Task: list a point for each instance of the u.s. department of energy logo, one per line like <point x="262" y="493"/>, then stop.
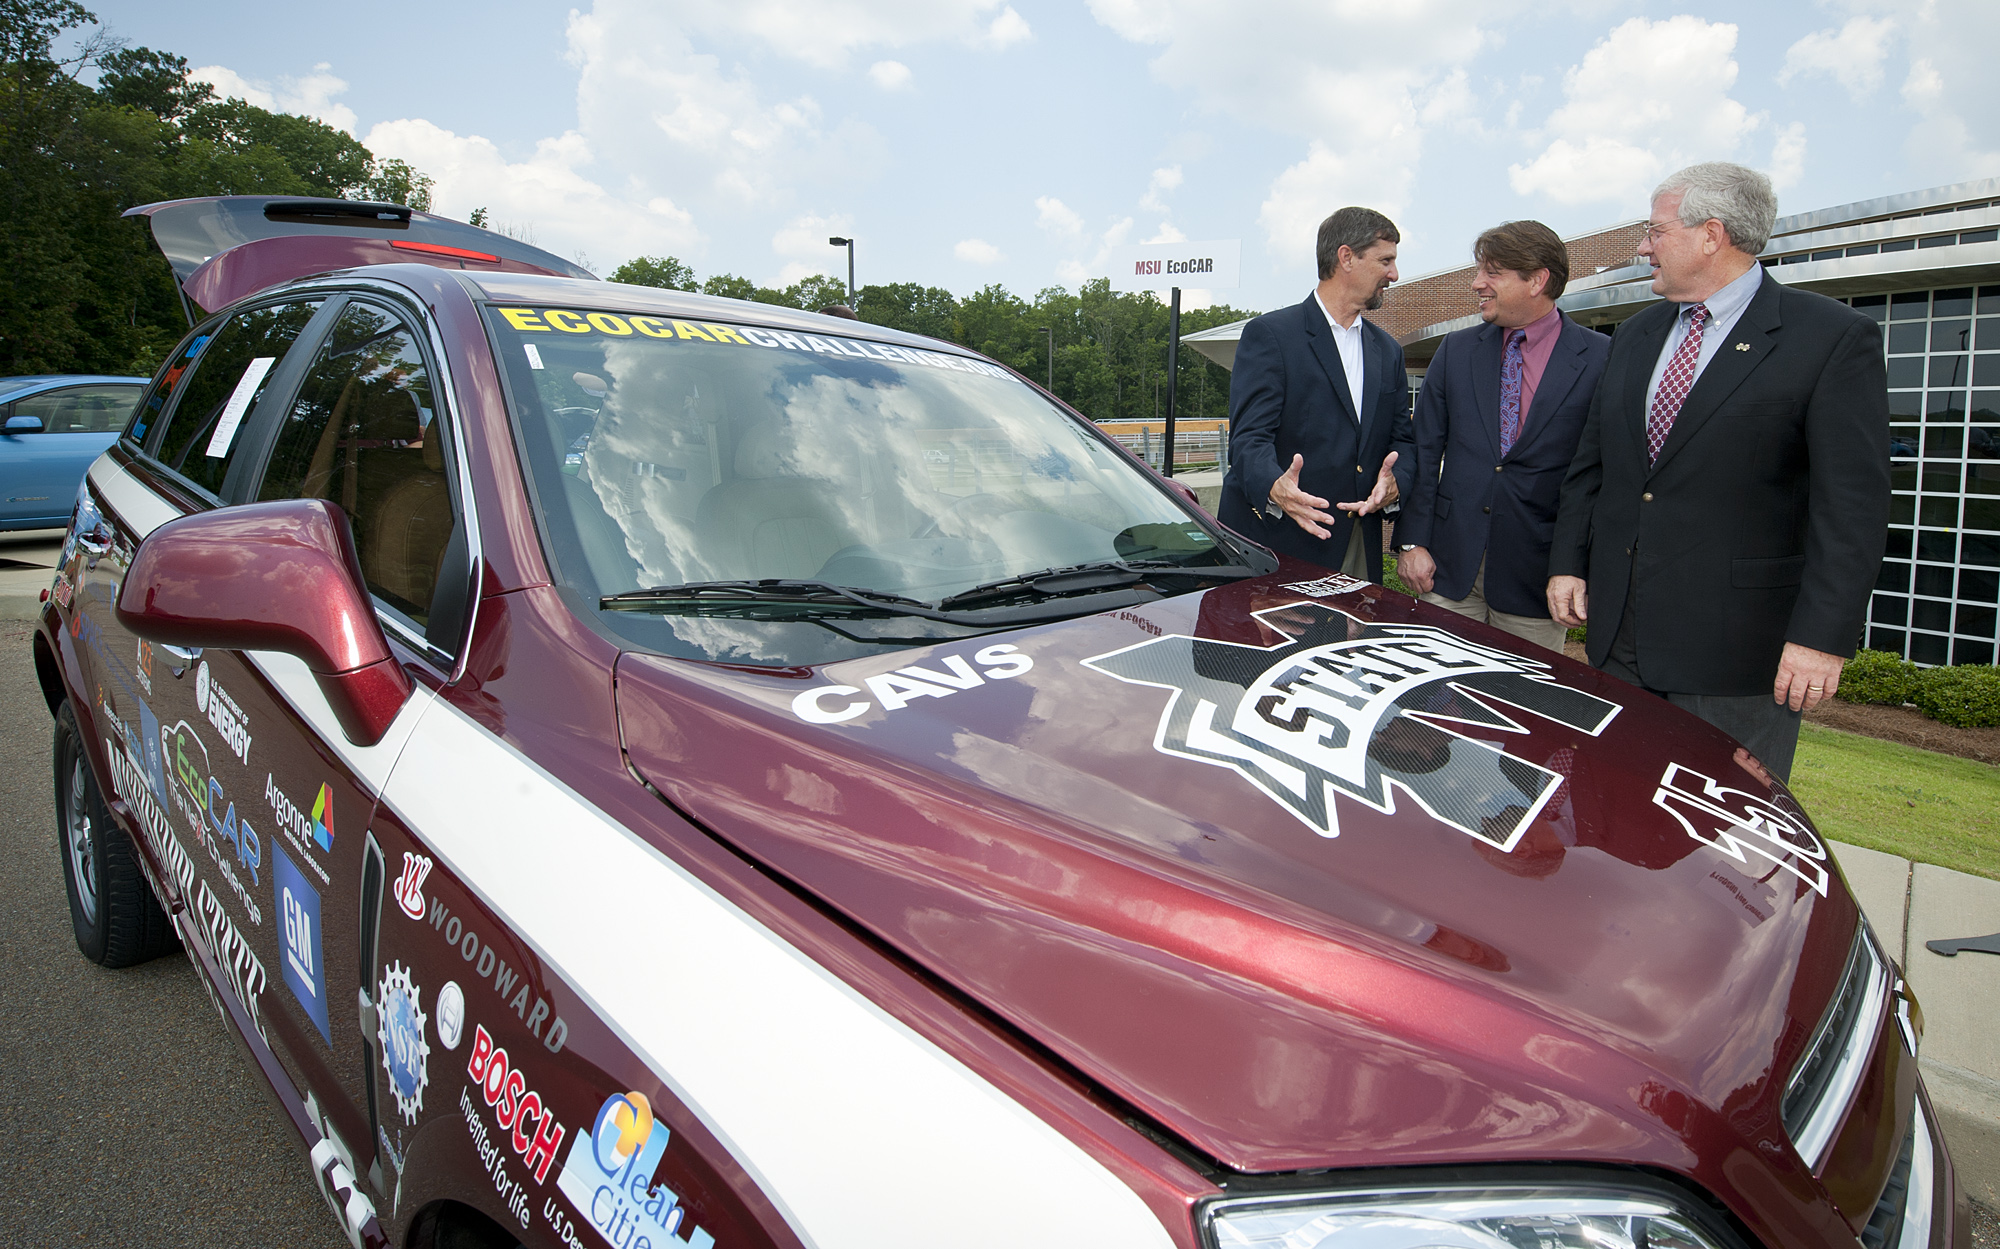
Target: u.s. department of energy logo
<point x="1357" y="708"/>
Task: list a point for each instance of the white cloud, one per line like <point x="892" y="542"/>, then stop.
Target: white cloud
<point x="1852" y="55"/>
<point x="977" y="251"/>
<point x="1163" y="180"/>
<point x="1788" y="156"/>
<point x="1649" y="98"/>
<point x="1167" y="233"/>
<point x="889" y="75"/>
<point x="545" y="194"/>
<point x="1056" y="217"/>
<point x="1007" y="30"/>
<point x="1952" y="86"/>
<point x="1346" y="76"/>
<point x="310" y="96"/>
<point x="826" y="32"/>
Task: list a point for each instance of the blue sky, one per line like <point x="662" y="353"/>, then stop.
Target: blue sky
<point x="962" y="142"/>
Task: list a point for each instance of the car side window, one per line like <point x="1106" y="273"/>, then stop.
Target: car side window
<point x="81" y="409"/>
<point x="227" y="378"/>
<point x="363" y="435"/>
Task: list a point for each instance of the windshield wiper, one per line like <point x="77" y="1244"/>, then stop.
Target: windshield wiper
<point x="769" y="590"/>
<point x="1090" y="579"/>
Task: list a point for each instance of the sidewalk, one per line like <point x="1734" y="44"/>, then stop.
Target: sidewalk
<point x="27" y="566"/>
<point x="1909" y="904"/>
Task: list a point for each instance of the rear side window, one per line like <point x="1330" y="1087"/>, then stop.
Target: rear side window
<point x="81" y="409"/>
<point x="222" y="385"/>
<point x="363" y="435"/>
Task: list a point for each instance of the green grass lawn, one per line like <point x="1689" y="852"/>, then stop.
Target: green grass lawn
<point x="1914" y="803"/>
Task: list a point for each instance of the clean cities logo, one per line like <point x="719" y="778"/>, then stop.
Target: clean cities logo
<point x="609" y="1176"/>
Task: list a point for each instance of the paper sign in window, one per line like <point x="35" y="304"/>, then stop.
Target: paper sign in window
<point x="239" y="402"/>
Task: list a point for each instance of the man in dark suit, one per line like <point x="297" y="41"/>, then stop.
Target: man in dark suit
<point x="1726" y="512"/>
<point x="1317" y="399"/>
<point x="1496" y="426"/>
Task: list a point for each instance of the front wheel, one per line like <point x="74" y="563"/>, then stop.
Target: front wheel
<point x="117" y="919"/>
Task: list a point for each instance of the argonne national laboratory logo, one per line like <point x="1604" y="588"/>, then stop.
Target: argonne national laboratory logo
<point x="1358" y="707"/>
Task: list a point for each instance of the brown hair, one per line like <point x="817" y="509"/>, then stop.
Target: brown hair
<point x="1525" y="246"/>
<point x="1356" y="229"/>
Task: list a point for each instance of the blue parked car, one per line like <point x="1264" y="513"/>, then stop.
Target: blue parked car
<point x="54" y="427"/>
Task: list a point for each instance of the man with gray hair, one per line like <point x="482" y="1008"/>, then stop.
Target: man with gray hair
<point x="1724" y="519"/>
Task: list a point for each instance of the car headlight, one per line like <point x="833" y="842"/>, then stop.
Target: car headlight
<point x="1552" y="1217"/>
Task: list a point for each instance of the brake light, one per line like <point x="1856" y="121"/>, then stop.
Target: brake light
<point x="436" y="249"/>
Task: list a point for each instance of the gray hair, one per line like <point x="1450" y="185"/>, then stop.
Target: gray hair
<point x="1356" y="229"/>
<point x="1740" y="198"/>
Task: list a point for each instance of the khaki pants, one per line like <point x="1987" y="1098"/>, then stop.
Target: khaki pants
<point x="1540" y="630"/>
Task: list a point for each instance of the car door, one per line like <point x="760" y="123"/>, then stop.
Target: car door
<point x="363" y="431"/>
<point x="39" y="471"/>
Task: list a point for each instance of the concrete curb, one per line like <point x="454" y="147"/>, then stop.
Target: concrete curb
<point x="1908" y="904"/>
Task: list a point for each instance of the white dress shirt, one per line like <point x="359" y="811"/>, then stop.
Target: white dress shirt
<point x="1348" y="341"/>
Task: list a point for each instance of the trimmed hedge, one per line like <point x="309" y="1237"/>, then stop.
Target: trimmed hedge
<point x="1879" y="677"/>
<point x="1965" y="697"/>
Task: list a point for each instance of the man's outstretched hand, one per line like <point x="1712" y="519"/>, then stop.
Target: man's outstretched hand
<point x="1308" y="511"/>
<point x="1382" y="495"/>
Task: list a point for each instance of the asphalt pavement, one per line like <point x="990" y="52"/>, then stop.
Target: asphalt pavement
<point x="128" y="1116"/>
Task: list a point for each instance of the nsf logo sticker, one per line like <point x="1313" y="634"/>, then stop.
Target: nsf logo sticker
<point x="400" y="1030"/>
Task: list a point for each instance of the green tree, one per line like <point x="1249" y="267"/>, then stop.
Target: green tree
<point x="319" y="159"/>
<point x="729" y="286"/>
<point x="665" y="272"/>
<point x="910" y="307"/>
<point x="393" y="181"/>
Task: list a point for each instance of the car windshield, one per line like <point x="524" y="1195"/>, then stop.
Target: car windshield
<point x="694" y="470"/>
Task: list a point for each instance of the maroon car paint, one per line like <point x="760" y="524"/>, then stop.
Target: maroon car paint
<point x="1131" y="945"/>
<point x="286" y="573"/>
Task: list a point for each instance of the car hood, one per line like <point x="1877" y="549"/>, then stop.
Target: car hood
<point x="1307" y="874"/>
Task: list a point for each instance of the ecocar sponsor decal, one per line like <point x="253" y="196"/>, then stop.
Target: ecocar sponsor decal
<point x="399" y="1028"/>
<point x="1740" y="824"/>
<point x="817" y="1091"/>
<point x="532" y="1009"/>
<point x="409" y="886"/>
<point x="450" y="1008"/>
<point x="299" y="829"/>
<point x="333" y="1172"/>
<point x="1356" y="708"/>
<point x="298" y="934"/>
<point x="831" y="704"/>
<point x="609" y="1177"/>
<point x="515" y="1105"/>
<point x="615" y="325"/>
<point x="214" y="702"/>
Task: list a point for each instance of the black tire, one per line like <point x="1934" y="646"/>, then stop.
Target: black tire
<point x="117" y="919"/>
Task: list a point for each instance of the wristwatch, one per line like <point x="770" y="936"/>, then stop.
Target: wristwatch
<point x="1408" y="546"/>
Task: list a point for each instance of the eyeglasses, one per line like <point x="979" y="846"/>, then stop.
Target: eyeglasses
<point x="1654" y="229"/>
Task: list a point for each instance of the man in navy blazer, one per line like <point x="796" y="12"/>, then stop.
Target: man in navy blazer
<point x="1496" y="425"/>
<point x="1319" y="409"/>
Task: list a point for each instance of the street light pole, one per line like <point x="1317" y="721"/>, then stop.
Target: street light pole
<point x="849" y="245"/>
<point x="1051" y="332"/>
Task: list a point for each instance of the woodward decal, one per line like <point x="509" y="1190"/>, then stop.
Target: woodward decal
<point x="532" y="1009"/>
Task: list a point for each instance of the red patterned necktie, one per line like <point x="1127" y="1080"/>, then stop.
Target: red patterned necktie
<point x="1675" y="384"/>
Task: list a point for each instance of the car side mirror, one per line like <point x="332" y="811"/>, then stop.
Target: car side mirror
<point x="24" y="424"/>
<point x="280" y="576"/>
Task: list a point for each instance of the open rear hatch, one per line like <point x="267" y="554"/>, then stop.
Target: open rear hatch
<point x="225" y="247"/>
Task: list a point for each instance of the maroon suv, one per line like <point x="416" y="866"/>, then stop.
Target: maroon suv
<point x="651" y="770"/>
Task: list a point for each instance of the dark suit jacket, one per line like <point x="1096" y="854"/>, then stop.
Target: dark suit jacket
<point x="1467" y="510"/>
<point x="1763" y="521"/>
<point x="1288" y="395"/>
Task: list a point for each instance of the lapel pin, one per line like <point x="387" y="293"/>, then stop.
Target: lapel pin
<point x="1743" y="346"/>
